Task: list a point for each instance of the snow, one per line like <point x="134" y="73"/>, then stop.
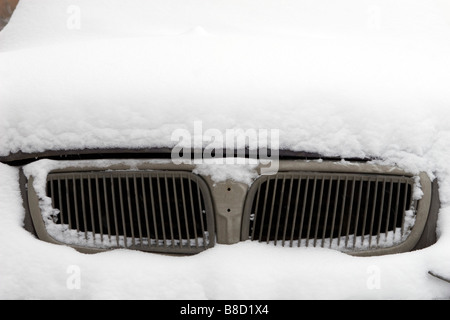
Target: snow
<point x="35" y="269"/>
<point x="350" y="78"/>
<point x="244" y="173"/>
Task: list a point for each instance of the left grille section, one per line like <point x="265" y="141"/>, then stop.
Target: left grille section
<point x="158" y="211"/>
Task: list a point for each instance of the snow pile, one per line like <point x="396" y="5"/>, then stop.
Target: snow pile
<point x="35" y="269"/>
<point x="350" y="78"/>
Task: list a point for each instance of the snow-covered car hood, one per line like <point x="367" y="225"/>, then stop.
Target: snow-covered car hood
<point x="347" y="79"/>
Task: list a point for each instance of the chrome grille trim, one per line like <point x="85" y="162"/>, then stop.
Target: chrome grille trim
<point x="301" y="208"/>
<point x="145" y="210"/>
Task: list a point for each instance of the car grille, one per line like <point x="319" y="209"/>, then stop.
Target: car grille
<point x="157" y="211"/>
<point x="332" y="210"/>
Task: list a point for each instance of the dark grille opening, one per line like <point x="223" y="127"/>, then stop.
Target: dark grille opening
<point x="345" y="211"/>
<point x="148" y="210"/>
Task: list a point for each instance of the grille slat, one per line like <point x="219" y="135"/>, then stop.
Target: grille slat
<point x="303" y="212"/>
<point x="294" y="220"/>
<point x="61" y="214"/>
<point x="145" y="210"/>
<point x="144" y="198"/>
<point x="108" y="222"/>
<point x="255" y="216"/>
<point x="116" y="219"/>
<point x="397" y="205"/>
<point x="349" y="216"/>
<point x="202" y="222"/>
<point x="366" y="210"/>
<point x="99" y="209"/>
<point x="327" y="211"/>
<point x="405" y="208"/>
<point x="138" y="210"/>
<point x="316" y="231"/>
<point x="152" y="201"/>
<point x="277" y="228"/>
<point x="91" y="205"/>
<point x="68" y="206"/>
<point x="374" y="206"/>
<point x="291" y="184"/>
<point x="264" y="211"/>
<point x="83" y="207"/>
<point x="186" y="224"/>
<point x="381" y="206"/>
<point x="177" y="211"/>
<point x="343" y="211"/>
<point x="341" y="222"/>
<point x="194" y="220"/>
<point x="272" y="207"/>
<point x="311" y="213"/>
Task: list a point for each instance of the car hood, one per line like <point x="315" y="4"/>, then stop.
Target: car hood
<point x="361" y="82"/>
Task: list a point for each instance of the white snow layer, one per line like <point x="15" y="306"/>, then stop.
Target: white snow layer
<point x="349" y="78"/>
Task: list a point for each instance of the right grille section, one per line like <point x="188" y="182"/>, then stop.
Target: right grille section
<point x="341" y="211"/>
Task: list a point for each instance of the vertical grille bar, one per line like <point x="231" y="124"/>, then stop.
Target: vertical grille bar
<point x="389" y="208"/>
<point x="161" y="212"/>
<point x="152" y="200"/>
<point x="297" y="197"/>
<point x="99" y="209"/>
<point x="256" y="215"/>
<point x="350" y="212"/>
<point x="342" y="211"/>
<point x="397" y="206"/>
<point x="75" y="198"/>
<point x="288" y="211"/>
<point x="83" y="204"/>
<point x="138" y="210"/>
<point x="169" y="211"/>
<point x="122" y="211"/>
<point x="319" y="211"/>
<point x="327" y="210"/>
<point x="333" y="220"/>
<point x="264" y="211"/>
<point x="91" y="207"/>
<point x="191" y="198"/>
<point x="107" y="214"/>
<point x="177" y="211"/>
<point x="271" y="209"/>
<point x="130" y="210"/>
<point x="358" y="210"/>
<point x="144" y="200"/>
<point x="277" y="228"/>
<point x="61" y="207"/>
<point x="382" y="210"/>
<point x="373" y="213"/>
<point x="302" y="217"/>
<point x="52" y="193"/>
<point x="205" y="241"/>
<point x="116" y="221"/>
<point x="311" y="212"/>
<point x="186" y="221"/>
<point x="366" y="209"/>
<point x="405" y="208"/>
<point x="69" y="219"/>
